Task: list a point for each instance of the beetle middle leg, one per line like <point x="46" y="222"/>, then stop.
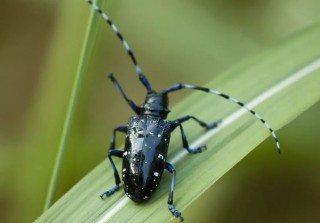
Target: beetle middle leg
<point x="117" y="153"/>
<point x="172" y="209"/>
<point x="185" y="143"/>
<point x="203" y="124"/>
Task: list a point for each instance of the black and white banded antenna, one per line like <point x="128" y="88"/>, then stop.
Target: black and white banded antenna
<point x="208" y="90"/>
<point x="142" y="77"/>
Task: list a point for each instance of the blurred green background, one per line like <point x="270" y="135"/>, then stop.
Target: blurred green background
<point x="174" y="41"/>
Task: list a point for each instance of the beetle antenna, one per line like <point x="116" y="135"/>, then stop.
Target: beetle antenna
<point x="142" y="77"/>
<point x="208" y="90"/>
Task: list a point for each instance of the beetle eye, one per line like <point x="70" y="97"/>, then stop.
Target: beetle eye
<point x="139" y="133"/>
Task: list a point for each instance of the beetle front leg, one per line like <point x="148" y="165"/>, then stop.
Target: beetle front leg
<point x="117" y="153"/>
<point x="134" y="107"/>
<point x="172" y="209"/>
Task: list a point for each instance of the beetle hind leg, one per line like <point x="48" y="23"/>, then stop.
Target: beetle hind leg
<point x="171" y="207"/>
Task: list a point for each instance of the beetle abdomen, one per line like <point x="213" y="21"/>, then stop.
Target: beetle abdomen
<point x="142" y="182"/>
<point x="144" y="156"/>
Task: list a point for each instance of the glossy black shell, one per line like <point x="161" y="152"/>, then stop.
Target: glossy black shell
<point x="144" y="155"/>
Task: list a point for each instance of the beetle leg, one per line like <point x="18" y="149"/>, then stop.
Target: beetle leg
<point x="134" y="107"/>
<point x="203" y="124"/>
<point x="172" y="209"/>
<point x="117" y="153"/>
<point x="120" y="128"/>
<point x="185" y="143"/>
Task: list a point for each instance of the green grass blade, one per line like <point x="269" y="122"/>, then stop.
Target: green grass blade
<point x="88" y="44"/>
<point x="279" y="84"/>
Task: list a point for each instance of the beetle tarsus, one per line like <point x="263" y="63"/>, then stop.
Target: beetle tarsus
<point x="214" y="125"/>
<point x="175" y="212"/>
<point x="197" y="150"/>
<point x="109" y="192"/>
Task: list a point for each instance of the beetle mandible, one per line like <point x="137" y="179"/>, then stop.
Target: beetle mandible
<point x="148" y="135"/>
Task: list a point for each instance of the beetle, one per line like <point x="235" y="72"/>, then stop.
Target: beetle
<point x="148" y="135"/>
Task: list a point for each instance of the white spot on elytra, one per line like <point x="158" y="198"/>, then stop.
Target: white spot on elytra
<point x="125" y="153"/>
<point x="160" y="156"/>
<point x="156" y="174"/>
<point x="124" y="169"/>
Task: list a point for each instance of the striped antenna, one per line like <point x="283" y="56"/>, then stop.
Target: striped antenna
<point x="208" y="90"/>
<point x="142" y="78"/>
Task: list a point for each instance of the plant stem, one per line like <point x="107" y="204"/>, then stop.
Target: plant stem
<point x="87" y="47"/>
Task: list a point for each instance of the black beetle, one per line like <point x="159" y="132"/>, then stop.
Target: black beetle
<point x="148" y="136"/>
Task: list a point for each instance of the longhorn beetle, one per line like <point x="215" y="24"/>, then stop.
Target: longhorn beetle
<point x="148" y="135"/>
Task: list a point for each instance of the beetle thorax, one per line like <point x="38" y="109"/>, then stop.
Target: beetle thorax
<point x="156" y="104"/>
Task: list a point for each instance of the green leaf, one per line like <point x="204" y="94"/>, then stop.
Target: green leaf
<point x="82" y="67"/>
<point x="279" y="84"/>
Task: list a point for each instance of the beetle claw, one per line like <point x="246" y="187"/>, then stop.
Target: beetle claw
<point x="197" y="150"/>
<point x="214" y="124"/>
<point x="109" y="192"/>
<point x="175" y="212"/>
